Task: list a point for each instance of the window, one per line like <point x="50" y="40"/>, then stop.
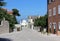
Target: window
<point x="54" y="25"/>
<point x="50" y="12"/>
<point x="50" y="25"/>
<point x="54" y="11"/>
<point x="58" y="9"/>
<point x="53" y="0"/>
<point x="59" y="25"/>
<point x="49" y="1"/>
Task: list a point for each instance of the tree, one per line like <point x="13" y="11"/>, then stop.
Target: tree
<point x="42" y="21"/>
<point x="46" y="17"/>
<point x="2" y="3"/>
<point x="11" y="20"/>
<point x="1" y="0"/>
<point x="8" y="17"/>
<point x="15" y="13"/>
<point x="1" y="12"/>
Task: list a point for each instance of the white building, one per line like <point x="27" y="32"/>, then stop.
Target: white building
<point x="31" y="20"/>
<point x="23" y="24"/>
<point x="30" y="23"/>
<point x="17" y="27"/>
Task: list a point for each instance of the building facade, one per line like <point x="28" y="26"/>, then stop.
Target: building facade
<point x="53" y="16"/>
<point x="23" y="25"/>
<point x="31" y="20"/>
<point x="17" y="28"/>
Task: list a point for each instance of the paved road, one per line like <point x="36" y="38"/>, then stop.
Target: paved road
<point x="27" y="35"/>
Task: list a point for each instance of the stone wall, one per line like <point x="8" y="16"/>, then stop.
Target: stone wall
<point x="4" y="27"/>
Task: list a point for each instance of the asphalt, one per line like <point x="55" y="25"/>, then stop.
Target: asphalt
<point x="28" y="35"/>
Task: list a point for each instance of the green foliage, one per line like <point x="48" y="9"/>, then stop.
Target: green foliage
<point x="2" y="3"/>
<point x="2" y="14"/>
<point x="8" y="17"/>
<point x="11" y="20"/>
<point x="15" y="12"/>
<point x="42" y="21"/>
<point x="1" y="0"/>
<point x="46" y="19"/>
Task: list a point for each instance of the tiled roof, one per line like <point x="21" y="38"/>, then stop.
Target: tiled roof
<point x="9" y="12"/>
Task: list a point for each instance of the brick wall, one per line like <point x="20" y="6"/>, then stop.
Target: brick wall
<point x="54" y="18"/>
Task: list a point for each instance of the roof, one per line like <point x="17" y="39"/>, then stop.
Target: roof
<point x="10" y="12"/>
<point x="17" y="25"/>
<point x="33" y="17"/>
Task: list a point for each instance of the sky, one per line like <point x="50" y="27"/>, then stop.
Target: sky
<point x="27" y="7"/>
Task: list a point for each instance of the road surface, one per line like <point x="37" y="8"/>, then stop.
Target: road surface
<point x="27" y="35"/>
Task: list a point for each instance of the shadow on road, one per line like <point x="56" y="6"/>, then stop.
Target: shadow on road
<point x="5" y="39"/>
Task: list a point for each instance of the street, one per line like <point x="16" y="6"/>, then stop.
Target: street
<point x="28" y="35"/>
